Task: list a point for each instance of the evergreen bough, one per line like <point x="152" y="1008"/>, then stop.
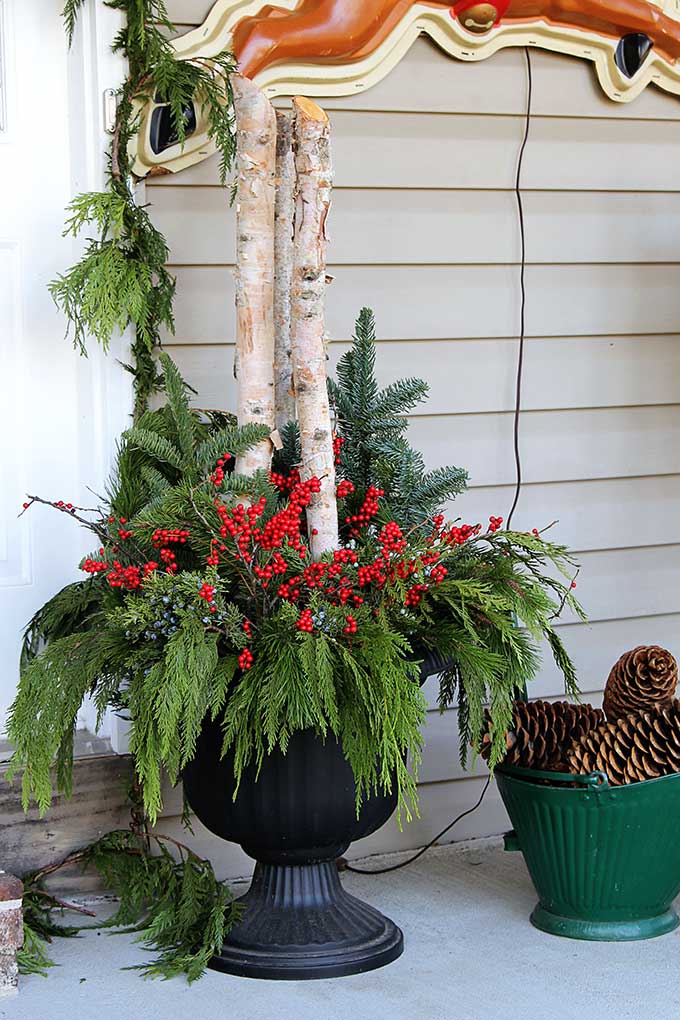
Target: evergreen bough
<point x="171" y="900"/>
<point x="372" y="423"/>
<point x="122" y="278"/>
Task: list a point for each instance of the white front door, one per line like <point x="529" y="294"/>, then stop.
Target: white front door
<point x="55" y="407"/>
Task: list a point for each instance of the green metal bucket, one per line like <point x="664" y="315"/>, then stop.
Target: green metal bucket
<point x="605" y="860"/>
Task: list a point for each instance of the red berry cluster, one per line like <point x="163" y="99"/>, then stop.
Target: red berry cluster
<point x="328" y="578"/>
<point x="163" y="538"/>
<point x="415" y="594"/>
<point x="285" y="483"/>
<point x="338" y="443"/>
<point x="460" y="535"/>
<point x="168" y="536"/>
<point x="285" y="526"/>
<point x="495" y="523"/>
<point x="117" y="575"/>
<point x="213" y="558"/>
<point x="245" y="659"/>
<point x="274" y="568"/>
<point x="305" y="621"/>
<point x="129" y="577"/>
<point x="345" y="488"/>
<point x="351" y="625"/>
<point x="59" y="504"/>
<point x="91" y="566"/>
<point x="367" y="511"/>
<point x="391" y="538"/>
<point x="207" y="592"/>
<point x="217" y="477"/>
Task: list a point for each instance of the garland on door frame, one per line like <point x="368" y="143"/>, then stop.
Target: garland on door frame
<point x="122" y="278"/>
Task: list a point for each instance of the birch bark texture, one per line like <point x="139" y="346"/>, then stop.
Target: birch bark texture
<point x="284" y="217"/>
<point x="255" y="199"/>
<point x="311" y="134"/>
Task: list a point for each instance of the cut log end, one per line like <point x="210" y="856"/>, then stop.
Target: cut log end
<point x="309" y="109"/>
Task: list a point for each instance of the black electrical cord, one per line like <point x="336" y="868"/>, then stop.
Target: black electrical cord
<point x="516" y="443"/>
<point x="523" y="292"/>
<point x="424" y="849"/>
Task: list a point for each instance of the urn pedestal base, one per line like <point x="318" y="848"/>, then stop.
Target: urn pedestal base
<point x="300" y="924"/>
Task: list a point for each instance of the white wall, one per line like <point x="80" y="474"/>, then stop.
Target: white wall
<point x="58" y="413"/>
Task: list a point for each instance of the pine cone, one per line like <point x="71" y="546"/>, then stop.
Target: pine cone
<point x="631" y="749"/>
<point x="642" y="680"/>
<point x="542" y="732"/>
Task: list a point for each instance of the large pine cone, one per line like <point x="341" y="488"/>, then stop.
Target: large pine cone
<point x="631" y="749"/>
<point x="542" y="732"/>
<point x="643" y="679"/>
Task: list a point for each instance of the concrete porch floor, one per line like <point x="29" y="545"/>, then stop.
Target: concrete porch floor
<point x="470" y="954"/>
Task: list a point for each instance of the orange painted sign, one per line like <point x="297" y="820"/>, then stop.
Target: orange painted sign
<point x="324" y="32"/>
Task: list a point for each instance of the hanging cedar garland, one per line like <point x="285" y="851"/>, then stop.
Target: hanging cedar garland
<point x="122" y="279"/>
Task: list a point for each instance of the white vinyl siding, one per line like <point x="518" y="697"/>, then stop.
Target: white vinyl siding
<point x="424" y="230"/>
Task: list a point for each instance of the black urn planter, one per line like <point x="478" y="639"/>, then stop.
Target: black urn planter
<point x="294" y="819"/>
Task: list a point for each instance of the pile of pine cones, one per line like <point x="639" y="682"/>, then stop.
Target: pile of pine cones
<point x="636" y="737"/>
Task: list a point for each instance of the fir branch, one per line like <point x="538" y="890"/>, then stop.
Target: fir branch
<point x="373" y="424"/>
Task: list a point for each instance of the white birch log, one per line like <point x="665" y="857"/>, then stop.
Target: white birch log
<point x="255" y="196"/>
<point x="312" y="201"/>
<point x="283" y="267"/>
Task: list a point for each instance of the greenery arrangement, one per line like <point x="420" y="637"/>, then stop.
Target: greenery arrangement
<point x="201" y="599"/>
<point x="122" y="277"/>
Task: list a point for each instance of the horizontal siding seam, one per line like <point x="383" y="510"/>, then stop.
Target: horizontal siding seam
<point x="626" y="618"/>
<point x="542" y="410"/>
<point x="157" y="184"/>
<point x="173" y="342"/>
<point x="448" y="265"/>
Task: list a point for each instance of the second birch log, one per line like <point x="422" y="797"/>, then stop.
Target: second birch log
<point x="312" y="201"/>
<point x="256" y="169"/>
<point x="283" y="267"/>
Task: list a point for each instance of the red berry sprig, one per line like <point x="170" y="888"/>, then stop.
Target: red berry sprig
<point x="246" y="659"/>
<point x="305" y="621"/>
<point x="338" y="443"/>
<point x="344" y="488"/>
<point x="217" y="476"/>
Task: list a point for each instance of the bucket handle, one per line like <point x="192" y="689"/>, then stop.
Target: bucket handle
<point x="594" y="780"/>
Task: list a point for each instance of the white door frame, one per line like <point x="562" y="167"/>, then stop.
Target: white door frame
<point x="59" y="413"/>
